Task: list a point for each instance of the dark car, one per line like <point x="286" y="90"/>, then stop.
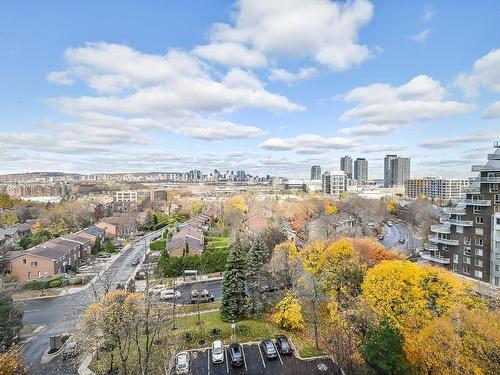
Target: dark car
<point x="283" y="345"/>
<point x="135" y="261"/>
<point x="268" y="349"/>
<point x="235" y="355"/>
<point x="268" y="289"/>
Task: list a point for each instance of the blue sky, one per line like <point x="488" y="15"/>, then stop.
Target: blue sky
<point x="268" y="87"/>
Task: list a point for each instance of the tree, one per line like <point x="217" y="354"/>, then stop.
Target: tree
<point x="383" y="350"/>
<point x="372" y="252"/>
<point x="257" y="256"/>
<point x="11" y="363"/>
<point x="196" y="208"/>
<point x="7" y="218"/>
<point x="235" y="209"/>
<point x="96" y="247"/>
<point x="461" y="342"/>
<point x="233" y="284"/>
<point x="285" y="264"/>
<point x="392" y="206"/>
<point x="11" y="319"/>
<point x="130" y="287"/>
<point x="289" y="313"/>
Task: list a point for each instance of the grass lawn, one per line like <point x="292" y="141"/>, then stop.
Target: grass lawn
<point x="194" y="307"/>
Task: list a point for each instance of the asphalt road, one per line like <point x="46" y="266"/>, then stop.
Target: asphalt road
<point x="213" y="286"/>
<point x="392" y="235"/>
<point x="61" y="314"/>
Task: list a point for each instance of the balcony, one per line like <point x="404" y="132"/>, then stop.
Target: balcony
<point x="478" y="202"/>
<point x="432" y="258"/>
<point x="445" y="241"/>
<point x="490" y="180"/>
<point x="483" y="168"/>
<point x="441" y="228"/>
<point x="430" y="246"/>
<point x="461" y="223"/>
<point x="455" y="210"/>
<point x="493" y="157"/>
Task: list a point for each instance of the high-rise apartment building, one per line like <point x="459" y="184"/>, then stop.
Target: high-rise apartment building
<point x="334" y="182"/>
<point x="444" y="189"/>
<point x="468" y="242"/>
<point x="346" y="166"/>
<point x="315" y="172"/>
<point x="396" y="170"/>
<point x="361" y="170"/>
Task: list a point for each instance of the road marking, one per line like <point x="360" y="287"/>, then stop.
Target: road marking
<point x="244" y="360"/>
<point x="29" y="311"/>
<point x="208" y="361"/>
<point x="277" y="351"/>
<point x="261" y="356"/>
<point x="227" y="362"/>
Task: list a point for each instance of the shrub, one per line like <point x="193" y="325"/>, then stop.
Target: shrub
<point x="188" y="336"/>
<point x="216" y="332"/>
<point x="54" y="283"/>
<point x="158" y="245"/>
<point x="242" y="329"/>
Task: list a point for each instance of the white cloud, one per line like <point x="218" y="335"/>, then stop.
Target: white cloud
<point x="421" y="36"/>
<point x="422" y="98"/>
<point x="485" y="74"/>
<point x="231" y="54"/>
<point x="369" y="129"/>
<point x="383" y="148"/>
<point x="492" y="111"/>
<point x="308" y="144"/>
<point x="322" y="30"/>
<point x="477" y="137"/>
<point x="60" y="78"/>
<point x="289" y="77"/>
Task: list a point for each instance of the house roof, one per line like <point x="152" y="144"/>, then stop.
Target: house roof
<point x="94" y="231"/>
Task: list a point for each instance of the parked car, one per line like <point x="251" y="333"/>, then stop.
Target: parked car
<point x="71" y="350"/>
<point x="157" y="289"/>
<point x="120" y="286"/>
<point x="389" y="223"/>
<point x="182" y="363"/>
<point x="169" y="294"/>
<point x="201" y="295"/>
<point x="236" y="355"/>
<point x="83" y="268"/>
<point x="402" y="240"/>
<point x="268" y="289"/>
<point x="217" y="352"/>
<point x="380" y="237"/>
<point x="283" y="345"/>
<point x="268" y="349"/>
<point x="140" y="275"/>
<point x="135" y="262"/>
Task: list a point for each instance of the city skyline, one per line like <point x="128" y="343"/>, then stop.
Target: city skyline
<point x="369" y="79"/>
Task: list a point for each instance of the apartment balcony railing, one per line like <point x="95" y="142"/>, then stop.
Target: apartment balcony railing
<point x="432" y="258"/>
<point x="478" y="202"/>
<point x="473" y="190"/>
<point x="441" y="228"/>
<point x="455" y="210"/>
<point x="445" y="241"/>
<point x="490" y="180"/>
<point x="461" y="223"/>
<point x="493" y="157"/>
<point x="430" y="246"/>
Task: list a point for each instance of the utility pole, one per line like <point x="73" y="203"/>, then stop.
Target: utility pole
<point x="175" y="303"/>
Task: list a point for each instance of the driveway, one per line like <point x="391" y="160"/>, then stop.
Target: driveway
<point x="255" y="363"/>
<point x="61" y="314"/>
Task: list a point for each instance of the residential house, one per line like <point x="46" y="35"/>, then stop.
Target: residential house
<point x="92" y="233"/>
<point x="13" y="233"/>
<point x="189" y="239"/>
<point x="120" y="226"/>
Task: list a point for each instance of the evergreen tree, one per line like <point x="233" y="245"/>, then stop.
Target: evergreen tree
<point x="233" y="284"/>
<point x="257" y="256"/>
<point x="11" y="320"/>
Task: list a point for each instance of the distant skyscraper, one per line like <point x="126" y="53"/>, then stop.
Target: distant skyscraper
<point x="361" y="170"/>
<point x="396" y="170"/>
<point x="346" y="166"/>
<point x="241" y="176"/>
<point x="315" y="172"/>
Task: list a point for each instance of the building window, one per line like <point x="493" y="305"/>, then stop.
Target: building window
<point x="498" y="220"/>
<point x="460" y="229"/>
<point x="467" y="240"/>
<point x="467" y="250"/>
<point x="29" y="275"/>
<point x="39" y="274"/>
<point x="24" y="261"/>
<point x="467" y="260"/>
<point x="455" y="267"/>
<point x="479" y="231"/>
<point x="479" y="242"/>
<point x="497" y="267"/>
<point x="467" y="270"/>
<point x="34" y="264"/>
<point x="478" y="262"/>
<point x="476" y="209"/>
<point x="497" y="281"/>
<point x="493" y="188"/>
<point x="497" y="198"/>
<point x="497" y="256"/>
<point x="478" y="274"/>
<point x="455" y="258"/>
<point x="479" y="251"/>
<point x="479" y="220"/>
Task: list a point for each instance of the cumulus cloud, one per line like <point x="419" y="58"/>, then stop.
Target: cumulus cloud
<point x="422" y="98"/>
<point x="485" y="75"/>
<point x="289" y="77"/>
<point x="308" y="144"/>
<point x="369" y="129"/>
<point x="492" y="111"/>
<point x="451" y="142"/>
<point x="231" y="54"/>
<point x="322" y="30"/>
<point x="383" y="148"/>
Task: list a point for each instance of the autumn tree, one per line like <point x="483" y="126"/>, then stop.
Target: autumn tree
<point x="285" y="264"/>
<point x="233" y="283"/>
<point x="392" y="206"/>
<point x="196" y="207"/>
<point x="11" y="318"/>
<point x="288" y="313"/>
<point x="235" y="209"/>
<point x="11" y="363"/>
<point x="372" y="252"/>
<point x="7" y="218"/>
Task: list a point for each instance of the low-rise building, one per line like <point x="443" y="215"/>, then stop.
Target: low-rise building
<point x="13" y="233"/>
<point x="119" y="226"/>
<point x="334" y="182"/>
<point x="444" y="189"/>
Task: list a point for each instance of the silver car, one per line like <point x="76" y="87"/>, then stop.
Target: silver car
<point x="182" y="363"/>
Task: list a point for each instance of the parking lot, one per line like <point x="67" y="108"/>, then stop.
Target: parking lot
<point x="255" y="363"/>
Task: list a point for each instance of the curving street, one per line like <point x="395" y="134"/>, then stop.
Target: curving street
<point x="392" y="235"/>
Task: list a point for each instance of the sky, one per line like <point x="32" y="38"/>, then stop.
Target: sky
<point x="269" y="87"/>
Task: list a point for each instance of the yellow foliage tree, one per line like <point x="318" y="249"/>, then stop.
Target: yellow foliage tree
<point x="289" y="313"/>
<point x="11" y="363"/>
<point x="236" y="203"/>
<point x="331" y="209"/>
<point x="196" y="208"/>
<point x="409" y="295"/>
<point x="37" y="227"/>
<point x="461" y="342"/>
<point x="391" y="206"/>
<point x="7" y="218"/>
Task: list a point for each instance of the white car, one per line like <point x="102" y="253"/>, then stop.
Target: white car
<point x="182" y="363"/>
<point x="217" y="352"/>
<point x="169" y="294"/>
<point x="157" y="289"/>
<point x="389" y="224"/>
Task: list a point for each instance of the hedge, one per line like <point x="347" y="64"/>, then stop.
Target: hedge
<point x="212" y="260"/>
<point x="158" y="245"/>
<point x="44" y="283"/>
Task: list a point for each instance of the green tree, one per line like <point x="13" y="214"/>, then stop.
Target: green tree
<point x="383" y="350"/>
<point x="256" y="259"/>
<point x="233" y="284"/>
<point x="109" y="247"/>
<point x="7" y="218"/>
<point x="96" y="248"/>
<point x="11" y="319"/>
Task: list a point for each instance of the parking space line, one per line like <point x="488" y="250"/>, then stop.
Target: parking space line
<point x="279" y="356"/>
<point x="208" y="361"/>
<point x="244" y="359"/>
<point x="227" y="362"/>
<point x="261" y="356"/>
